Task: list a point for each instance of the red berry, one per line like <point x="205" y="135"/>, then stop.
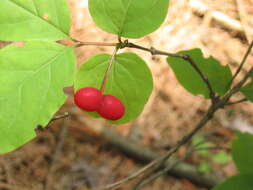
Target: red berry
<point x="88" y="99"/>
<point x="111" y="108"/>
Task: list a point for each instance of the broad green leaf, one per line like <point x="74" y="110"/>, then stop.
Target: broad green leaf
<point x="221" y="158"/>
<point x="248" y="91"/>
<point x="238" y="182"/>
<point x="22" y="20"/>
<point x="128" y="18"/>
<point x="218" y="75"/>
<point x="130" y="80"/>
<point x="242" y="152"/>
<point x="32" y="80"/>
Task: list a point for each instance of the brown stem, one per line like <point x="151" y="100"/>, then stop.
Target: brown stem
<point x="145" y="180"/>
<point x="151" y="50"/>
<point x="80" y="44"/>
<point x="66" y="114"/>
<point x="217" y="103"/>
<point x="237" y="102"/>
<point x="243" y="62"/>
<point x="202" y="75"/>
<point x="187" y="58"/>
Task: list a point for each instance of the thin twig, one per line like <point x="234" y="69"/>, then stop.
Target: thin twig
<point x="187" y="58"/>
<point x="237" y="102"/>
<point x="66" y="114"/>
<point x="238" y="86"/>
<point x="151" y="50"/>
<point x="165" y="170"/>
<point x="203" y="77"/>
<point x="80" y="44"/>
<point x="131" y="177"/>
<point x="213" y="148"/>
<point x="108" y="70"/>
<point x="212" y="109"/>
<point x="243" y="62"/>
<point x="149" y="175"/>
<point x="57" y="154"/>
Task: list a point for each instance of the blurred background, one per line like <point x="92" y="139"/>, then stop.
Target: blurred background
<point x="74" y="154"/>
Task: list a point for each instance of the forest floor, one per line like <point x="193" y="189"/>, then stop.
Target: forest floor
<point x="69" y="155"/>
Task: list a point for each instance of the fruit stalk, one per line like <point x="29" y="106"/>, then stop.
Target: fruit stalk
<point x="108" y="70"/>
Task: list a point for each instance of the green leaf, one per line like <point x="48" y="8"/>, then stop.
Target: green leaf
<point x="238" y="182"/>
<point x="130" y="80"/>
<point x="242" y="152"/>
<point x="201" y="143"/>
<point x="221" y="158"/>
<point x="129" y="18"/>
<point x="248" y="91"/>
<point x="204" y="167"/>
<point x="32" y="80"/>
<point x="218" y="75"/>
<point x="22" y="20"/>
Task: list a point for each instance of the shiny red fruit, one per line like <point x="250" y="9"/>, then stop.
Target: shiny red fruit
<point x="111" y="108"/>
<point x="88" y="99"/>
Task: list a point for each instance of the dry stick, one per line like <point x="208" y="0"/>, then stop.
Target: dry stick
<point x="243" y="62"/>
<point x="131" y="177"/>
<point x="57" y="154"/>
<point x="165" y="170"/>
<point x="212" y="109"/>
<point x="108" y="70"/>
<point x="146" y="155"/>
<point x="149" y="177"/>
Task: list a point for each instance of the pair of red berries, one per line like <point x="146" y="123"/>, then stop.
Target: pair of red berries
<point x="92" y="100"/>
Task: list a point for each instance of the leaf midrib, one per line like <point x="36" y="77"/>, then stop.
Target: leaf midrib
<point x="124" y="19"/>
